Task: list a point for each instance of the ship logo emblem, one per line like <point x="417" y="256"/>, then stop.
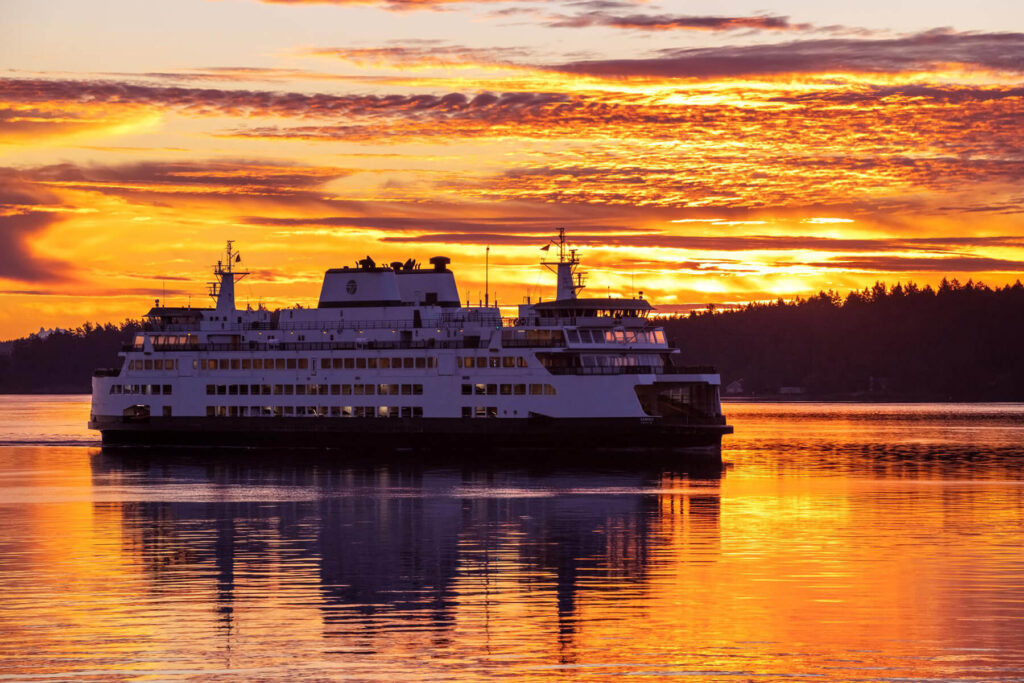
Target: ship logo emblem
<point x="351" y="287"/>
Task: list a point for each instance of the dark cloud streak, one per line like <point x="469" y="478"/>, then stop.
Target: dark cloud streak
<point x="923" y="51"/>
<point x="23" y="217"/>
<point x="670" y="22"/>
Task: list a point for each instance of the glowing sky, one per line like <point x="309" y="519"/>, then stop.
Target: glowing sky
<point x="699" y="151"/>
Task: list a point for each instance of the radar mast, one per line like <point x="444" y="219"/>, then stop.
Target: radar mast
<point x="566" y="269"/>
<point x="223" y="288"/>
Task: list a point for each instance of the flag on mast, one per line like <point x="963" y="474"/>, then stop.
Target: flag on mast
<point x="546" y="247"/>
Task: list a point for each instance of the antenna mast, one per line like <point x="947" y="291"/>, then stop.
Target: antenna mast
<point x="570" y="279"/>
<point x="487" y="277"/>
<point x="223" y="288"/>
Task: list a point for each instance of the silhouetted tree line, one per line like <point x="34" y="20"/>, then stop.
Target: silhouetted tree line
<point x="62" y="361"/>
<point x="957" y="342"/>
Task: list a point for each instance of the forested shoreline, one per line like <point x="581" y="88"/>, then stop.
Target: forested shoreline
<point x="62" y="361"/>
<point x="954" y="342"/>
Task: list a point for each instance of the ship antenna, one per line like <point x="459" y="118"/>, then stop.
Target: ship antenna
<point x="487" y="277"/>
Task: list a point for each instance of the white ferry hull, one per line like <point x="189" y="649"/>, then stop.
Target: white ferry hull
<point x="355" y="435"/>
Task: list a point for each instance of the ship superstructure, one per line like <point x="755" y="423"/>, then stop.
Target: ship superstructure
<point x="392" y="357"/>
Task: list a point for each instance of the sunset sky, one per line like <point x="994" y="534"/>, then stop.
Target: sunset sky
<point x="700" y="151"/>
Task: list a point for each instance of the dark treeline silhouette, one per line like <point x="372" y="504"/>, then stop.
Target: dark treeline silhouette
<point x="62" y="361"/>
<point x="959" y="342"/>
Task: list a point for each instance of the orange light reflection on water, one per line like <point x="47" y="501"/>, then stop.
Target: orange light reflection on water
<point x="843" y="541"/>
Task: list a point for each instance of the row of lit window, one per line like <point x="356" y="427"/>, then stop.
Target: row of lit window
<point x="153" y="364"/>
<point x="491" y="362"/>
<point x="508" y="389"/>
<point x="596" y="336"/>
<point x="141" y="389"/>
<point x="167" y="340"/>
<point x="479" y="411"/>
<point x="314" y="389"/>
<point x="314" y="411"/>
<point x="598" y="360"/>
<point x="408" y="363"/>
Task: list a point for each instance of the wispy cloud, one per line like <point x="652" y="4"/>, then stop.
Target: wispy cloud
<point x="229" y="179"/>
<point x="919" y="52"/>
<point x="428" y="53"/>
<point x="676" y="22"/>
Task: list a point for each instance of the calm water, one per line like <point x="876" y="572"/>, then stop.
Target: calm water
<point x="843" y="542"/>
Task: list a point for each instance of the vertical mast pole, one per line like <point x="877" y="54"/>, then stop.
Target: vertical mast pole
<point x="487" y="277"/>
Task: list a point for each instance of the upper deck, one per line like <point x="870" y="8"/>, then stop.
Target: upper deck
<point x="403" y="306"/>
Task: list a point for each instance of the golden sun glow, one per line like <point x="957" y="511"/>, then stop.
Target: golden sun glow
<point x="708" y="167"/>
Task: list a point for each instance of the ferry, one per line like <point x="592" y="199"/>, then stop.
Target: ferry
<point x="392" y="358"/>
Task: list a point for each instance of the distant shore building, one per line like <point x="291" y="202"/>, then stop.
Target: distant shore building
<point x="792" y="391"/>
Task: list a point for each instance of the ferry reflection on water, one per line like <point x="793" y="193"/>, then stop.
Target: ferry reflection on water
<point x="389" y="547"/>
<point x="844" y="542"/>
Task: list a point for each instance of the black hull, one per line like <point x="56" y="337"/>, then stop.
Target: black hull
<point x="355" y="435"/>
